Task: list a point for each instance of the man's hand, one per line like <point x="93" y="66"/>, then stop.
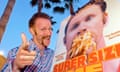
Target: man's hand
<point x="24" y="56"/>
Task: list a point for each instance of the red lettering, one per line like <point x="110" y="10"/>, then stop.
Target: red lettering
<point x="100" y="55"/>
<point x="109" y="53"/>
<point x="55" y="69"/>
<point x="118" y="49"/>
<point x="81" y="60"/>
<point x="74" y="63"/>
<point x="67" y="65"/>
<point x="92" y="58"/>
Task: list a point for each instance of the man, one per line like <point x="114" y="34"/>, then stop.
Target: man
<point x="33" y="56"/>
<point x="91" y="17"/>
<point x="88" y="20"/>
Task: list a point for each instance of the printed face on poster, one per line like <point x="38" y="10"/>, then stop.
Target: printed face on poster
<point x="89" y="40"/>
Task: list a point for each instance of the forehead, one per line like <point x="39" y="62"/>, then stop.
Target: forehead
<point x="88" y="10"/>
<point x="42" y="22"/>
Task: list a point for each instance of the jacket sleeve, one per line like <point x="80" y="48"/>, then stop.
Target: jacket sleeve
<point x="10" y="58"/>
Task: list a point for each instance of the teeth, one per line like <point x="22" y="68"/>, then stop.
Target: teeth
<point x="82" y="43"/>
<point x="47" y="37"/>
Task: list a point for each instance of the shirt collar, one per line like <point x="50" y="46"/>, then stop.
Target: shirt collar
<point x="33" y="47"/>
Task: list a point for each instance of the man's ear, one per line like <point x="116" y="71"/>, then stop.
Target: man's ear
<point x="105" y="18"/>
<point x="64" y="40"/>
<point x="32" y="31"/>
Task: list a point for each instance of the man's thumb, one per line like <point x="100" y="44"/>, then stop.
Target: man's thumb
<point x="24" y="41"/>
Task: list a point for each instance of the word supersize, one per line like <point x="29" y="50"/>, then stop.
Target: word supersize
<point x="91" y="62"/>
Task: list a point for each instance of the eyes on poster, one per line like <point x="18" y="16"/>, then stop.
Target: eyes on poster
<point x="89" y="40"/>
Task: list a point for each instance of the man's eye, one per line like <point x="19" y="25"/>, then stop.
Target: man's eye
<point x="43" y="29"/>
<point x="75" y="26"/>
<point x="88" y="18"/>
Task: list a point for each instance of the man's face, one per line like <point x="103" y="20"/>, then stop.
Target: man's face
<point x="89" y="18"/>
<point x="42" y="31"/>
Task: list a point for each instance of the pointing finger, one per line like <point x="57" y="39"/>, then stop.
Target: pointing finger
<point x="24" y="38"/>
<point x="24" y="41"/>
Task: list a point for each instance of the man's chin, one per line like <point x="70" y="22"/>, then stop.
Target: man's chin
<point x="46" y="44"/>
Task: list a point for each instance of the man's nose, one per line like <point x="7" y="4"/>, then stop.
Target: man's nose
<point x="81" y="31"/>
<point x="49" y="32"/>
<point x="82" y="27"/>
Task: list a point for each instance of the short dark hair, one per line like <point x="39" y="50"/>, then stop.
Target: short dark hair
<point x="38" y="15"/>
<point x="102" y="4"/>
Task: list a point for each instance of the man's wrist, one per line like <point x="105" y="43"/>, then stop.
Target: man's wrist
<point x="15" y="67"/>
